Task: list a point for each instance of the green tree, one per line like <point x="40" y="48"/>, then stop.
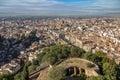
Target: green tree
<point x="105" y="59"/>
<point x="92" y="57"/>
<point x="29" y="63"/>
<point x="25" y="73"/>
<point x="82" y="76"/>
<point x="32" y="68"/>
<point x="40" y="56"/>
<point x="52" y="60"/>
<point x="110" y="77"/>
<point x="110" y="71"/>
<point x="4" y="79"/>
<point x="17" y="76"/>
<point x="118" y="72"/>
<point x="100" y="54"/>
<point x="35" y="62"/>
<point x="74" y="52"/>
<point x="1" y="76"/>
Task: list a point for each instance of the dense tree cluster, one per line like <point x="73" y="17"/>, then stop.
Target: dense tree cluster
<point x="109" y="70"/>
<point x="56" y="53"/>
<point x="25" y="73"/>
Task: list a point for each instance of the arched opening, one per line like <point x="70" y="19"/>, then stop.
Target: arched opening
<point x="82" y="70"/>
<point x="72" y="70"/>
<point x="69" y="71"/>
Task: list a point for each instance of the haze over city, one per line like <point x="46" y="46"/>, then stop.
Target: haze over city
<point x="59" y="7"/>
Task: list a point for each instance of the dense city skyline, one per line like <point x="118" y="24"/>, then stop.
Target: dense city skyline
<point x="59" y="7"/>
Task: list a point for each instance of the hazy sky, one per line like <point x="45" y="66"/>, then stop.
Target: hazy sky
<point x="59" y="7"/>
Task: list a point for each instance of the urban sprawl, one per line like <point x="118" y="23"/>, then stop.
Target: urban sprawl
<point x="22" y="39"/>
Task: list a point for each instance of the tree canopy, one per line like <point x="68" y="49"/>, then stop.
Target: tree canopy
<point x="55" y="53"/>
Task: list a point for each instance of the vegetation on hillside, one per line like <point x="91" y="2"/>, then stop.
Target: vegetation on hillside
<point x="109" y="70"/>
